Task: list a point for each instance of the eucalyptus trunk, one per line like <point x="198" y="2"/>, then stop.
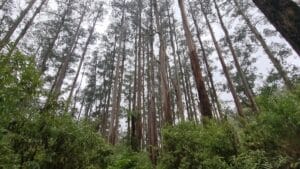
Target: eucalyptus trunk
<point x="139" y="130"/>
<point x="224" y="66"/>
<point x="152" y="124"/>
<point x="202" y="93"/>
<point x="166" y="109"/>
<point x="134" y="120"/>
<point x="117" y="91"/>
<point x="178" y="91"/>
<point x="207" y="65"/>
<point x="284" y="15"/>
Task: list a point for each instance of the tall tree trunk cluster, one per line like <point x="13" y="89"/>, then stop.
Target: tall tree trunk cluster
<point x="203" y="96"/>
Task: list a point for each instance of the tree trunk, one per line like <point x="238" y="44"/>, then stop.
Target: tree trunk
<point x="111" y="136"/>
<point x="134" y="138"/>
<point x="108" y="89"/>
<point x="15" y="24"/>
<point x="266" y="48"/>
<point x="195" y="107"/>
<point x="166" y="109"/>
<point x="61" y="74"/>
<point x="181" y="75"/>
<point x="139" y="82"/>
<point x="46" y="54"/>
<point x="187" y="92"/>
<point x="116" y="106"/>
<point x="203" y="96"/>
<point x="241" y="74"/>
<point x="144" y="114"/>
<point x="225" y="69"/>
<point x="88" y="41"/>
<point x="117" y="86"/>
<point x="104" y="124"/>
<point x="208" y="68"/>
<point x="152" y="126"/>
<point x="76" y="97"/>
<point x="284" y="15"/>
<point x="129" y="111"/>
<point x="177" y="87"/>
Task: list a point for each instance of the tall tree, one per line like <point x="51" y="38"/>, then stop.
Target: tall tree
<point x="118" y="80"/>
<point x="139" y="108"/>
<point x="117" y="101"/>
<point x="222" y="60"/>
<point x="178" y="91"/>
<point x="202" y="93"/>
<point x="61" y="74"/>
<point x="205" y="59"/>
<point x="284" y="15"/>
<point x="166" y="109"/>
<point x="248" y="91"/>
<point x="181" y="68"/>
<point x="106" y="87"/>
<point x="134" y="119"/>
<point x="152" y="126"/>
<point x="89" y="92"/>
<point x="59" y="24"/>
<point x="98" y="15"/>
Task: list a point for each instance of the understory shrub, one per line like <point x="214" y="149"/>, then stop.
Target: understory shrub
<point x="270" y="139"/>
<point x="33" y="139"/>
<point x="124" y="158"/>
<point x="196" y="146"/>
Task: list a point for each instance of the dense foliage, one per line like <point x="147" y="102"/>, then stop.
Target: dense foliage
<point x="268" y="140"/>
<point x="33" y="139"/>
<point x="125" y="158"/>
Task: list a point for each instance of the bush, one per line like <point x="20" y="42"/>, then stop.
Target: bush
<point x="55" y="142"/>
<point x="125" y="158"/>
<point x="33" y="139"/>
<point x="270" y="139"/>
<point x="259" y="159"/>
<point x="195" y="146"/>
<point x="275" y="133"/>
<point x="19" y="84"/>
